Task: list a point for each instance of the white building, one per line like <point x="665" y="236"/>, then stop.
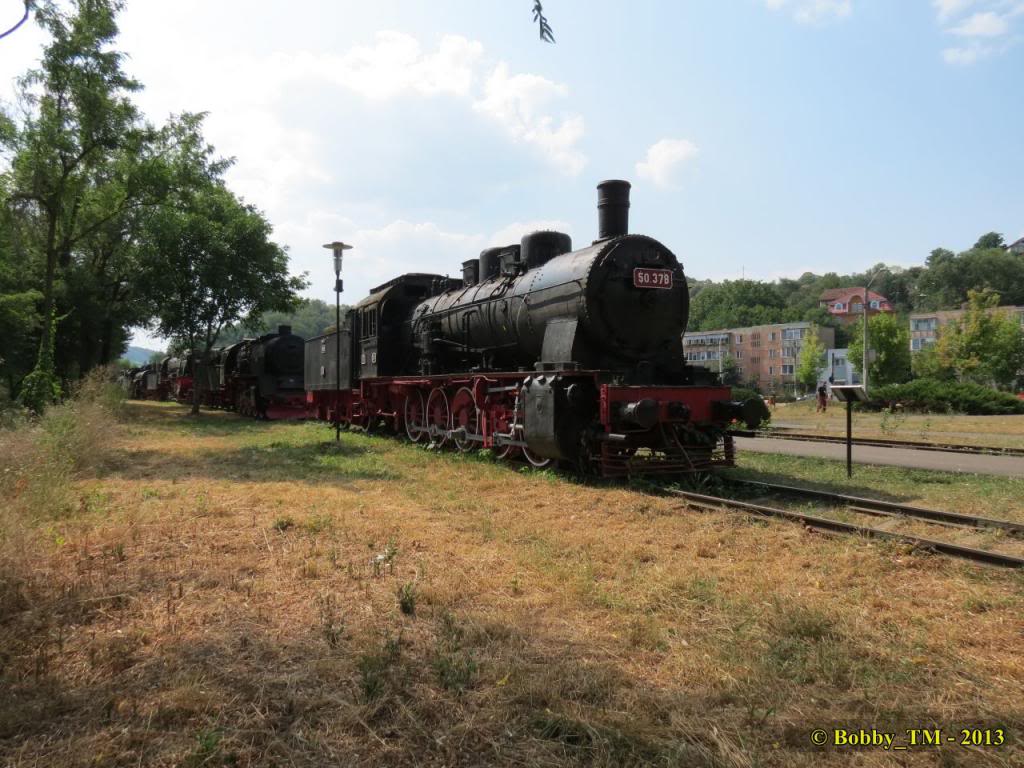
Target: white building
<point x="839" y="369"/>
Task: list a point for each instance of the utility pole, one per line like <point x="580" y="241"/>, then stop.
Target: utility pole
<point x="864" y="308"/>
<point x="338" y="248"/>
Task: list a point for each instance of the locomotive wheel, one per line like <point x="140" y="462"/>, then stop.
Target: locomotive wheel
<point x="414" y="414"/>
<point x="535" y="460"/>
<point x="438" y="417"/>
<point x="506" y="452"/>
<point x="465" y="417"/>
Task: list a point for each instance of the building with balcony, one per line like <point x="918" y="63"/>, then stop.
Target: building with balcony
<point x="766" y="356"/>
<point x="847" y="304"/>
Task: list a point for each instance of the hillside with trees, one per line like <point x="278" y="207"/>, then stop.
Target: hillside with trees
<point x="944" y="281"/>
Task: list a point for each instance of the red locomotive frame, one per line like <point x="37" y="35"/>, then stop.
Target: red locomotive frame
<point x="483" y="410"/>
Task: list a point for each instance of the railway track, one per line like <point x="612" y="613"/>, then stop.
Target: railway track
<point x="917" y="445"/>
<point x="870" y="507"/>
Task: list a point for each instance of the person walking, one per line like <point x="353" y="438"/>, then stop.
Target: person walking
<point x="822" y="398"/>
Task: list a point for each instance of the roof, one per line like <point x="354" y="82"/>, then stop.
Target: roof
<point x="833" y="294"/>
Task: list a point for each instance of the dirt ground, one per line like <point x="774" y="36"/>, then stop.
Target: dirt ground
<point x="227" y="592"/>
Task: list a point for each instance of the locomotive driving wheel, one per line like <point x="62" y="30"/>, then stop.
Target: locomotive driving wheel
<point x="465" y="420"/>
<point x="414" y="414"/>
<point x="438" y="417"/>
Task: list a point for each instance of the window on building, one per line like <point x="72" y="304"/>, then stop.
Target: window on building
<point x="856" y="308"/>
<point x="771" y="354"/>
<point x="771" y="336"/>
<point x="739" y="336"/>
<point x="756" y="343"/>
<point x="787" y="370"/>
<point x="840" y="307"/>
<point x="874" y="304"/>
<point x="771" y="370"/>
<point x="794" y="334"/>
<point x="915" y="344"/>
<point x="738" y="354"/>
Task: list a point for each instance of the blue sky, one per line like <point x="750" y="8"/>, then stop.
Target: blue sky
<point x="763" y="137"/>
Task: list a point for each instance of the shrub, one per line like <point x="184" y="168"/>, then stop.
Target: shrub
<point x="931" y="395"/>
<point x="39" y="456"/>
<point x="742" y="393"/>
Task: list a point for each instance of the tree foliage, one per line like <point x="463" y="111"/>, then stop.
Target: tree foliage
<point x="812" y="359"/>
<point x="85" y="181"/>
<point x="985" y="346"/>
<point x="208" y="262"/>
<point x="889" y="339"/>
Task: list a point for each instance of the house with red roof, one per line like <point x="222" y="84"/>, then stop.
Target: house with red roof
<point x="848" y="303"/>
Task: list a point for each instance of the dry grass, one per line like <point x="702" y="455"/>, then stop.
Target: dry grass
<point x="999" y="431"/>
<point x="235" y="593"/>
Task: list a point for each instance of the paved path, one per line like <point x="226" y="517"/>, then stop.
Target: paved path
<point x="1012" y="466"/>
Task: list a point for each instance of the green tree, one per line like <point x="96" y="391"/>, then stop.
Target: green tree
<point x="730" y="370"/>
<point x="949" y="278"/>
<point x="73" y="166"/>
<point x="312" y="317"/>
<point x="735" y="304"/>
<point x="812" y="359"/>
<point x="985" y="346"/>
<point x="211" y="262"/>
<point x="889" y="338"/>
<point x="926" y="364"/>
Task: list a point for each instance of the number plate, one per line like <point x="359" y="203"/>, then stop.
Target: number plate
<point x="644" y="277"/>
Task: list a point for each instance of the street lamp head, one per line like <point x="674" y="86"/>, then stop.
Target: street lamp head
<point x="338" y="248"/>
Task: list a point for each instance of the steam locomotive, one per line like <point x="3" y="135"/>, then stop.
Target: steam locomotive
<point x="539" y="351"/>
<point x="258" y="377"/>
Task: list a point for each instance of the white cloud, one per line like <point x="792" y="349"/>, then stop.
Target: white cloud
<point x="664" y="159"/>
<point x="813" y="11"/>
<point x="947" y="9"/>
<point x="987" y="24"/>
<point x="396" y="64"/>
<point x="965" y="55"/>
<point x="513" y="233"/>
<point x="519" y="104"/>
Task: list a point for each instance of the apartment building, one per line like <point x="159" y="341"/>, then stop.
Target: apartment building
<point x="925" y="327"/>
<point x="765" y="355"/>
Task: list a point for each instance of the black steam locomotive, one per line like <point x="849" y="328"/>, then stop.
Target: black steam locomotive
<point x="258" y="377"/>
<point x="539" y="351"/>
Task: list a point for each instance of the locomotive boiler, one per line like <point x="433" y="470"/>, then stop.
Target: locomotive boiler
<point x="620" y="304"/>
<point x="539" y="351"/>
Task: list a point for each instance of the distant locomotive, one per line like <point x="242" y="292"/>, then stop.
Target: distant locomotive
<point x="539" y="351"/>
<point x="259" y="377"/>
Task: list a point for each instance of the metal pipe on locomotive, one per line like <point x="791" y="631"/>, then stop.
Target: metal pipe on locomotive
<point x="555" y="354"/>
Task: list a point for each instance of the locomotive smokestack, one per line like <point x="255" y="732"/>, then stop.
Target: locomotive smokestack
<point x="612" y="209"/>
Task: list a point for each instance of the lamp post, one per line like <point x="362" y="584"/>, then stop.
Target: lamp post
<point x="864" y="309"/>
<point x="338" y="248"/>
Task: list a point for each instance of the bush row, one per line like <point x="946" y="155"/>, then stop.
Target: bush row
<point x="930" y="395"/>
